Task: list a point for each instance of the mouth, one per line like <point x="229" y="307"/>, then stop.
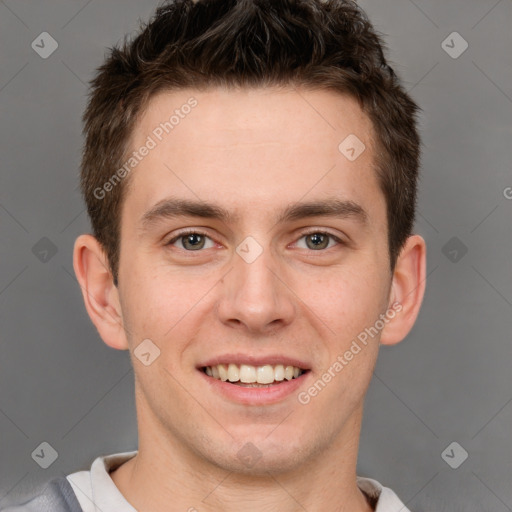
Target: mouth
<point x="250" y="376"/>
<point x="247" y="379"/>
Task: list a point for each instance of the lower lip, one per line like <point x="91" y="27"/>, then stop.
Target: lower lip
<point x="255" y="396"/>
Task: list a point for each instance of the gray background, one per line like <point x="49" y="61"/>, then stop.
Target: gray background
<point x="449" y="381"/>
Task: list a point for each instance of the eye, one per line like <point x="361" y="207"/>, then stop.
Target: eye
<point x="192" y="241"/>
<point x="318" y="240"/>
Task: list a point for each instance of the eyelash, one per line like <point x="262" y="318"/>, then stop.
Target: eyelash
<point x="302" y="235"/>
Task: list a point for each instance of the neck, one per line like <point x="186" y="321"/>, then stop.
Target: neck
<point x="165" y="471"/>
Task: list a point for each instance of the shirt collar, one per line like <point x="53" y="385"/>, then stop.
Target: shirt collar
<point x="108" y="497"/>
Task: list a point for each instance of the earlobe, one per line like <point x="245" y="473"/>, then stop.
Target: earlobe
<point x="407" y="290"/>
<point x="101" y="297"/>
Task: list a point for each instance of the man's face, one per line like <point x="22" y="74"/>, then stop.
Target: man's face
<point x="298" y="291"/>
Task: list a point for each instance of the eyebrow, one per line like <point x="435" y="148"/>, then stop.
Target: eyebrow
<point x="331" y="207"/>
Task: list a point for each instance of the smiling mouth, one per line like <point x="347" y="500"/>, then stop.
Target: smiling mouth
<point x="253" y="376"/>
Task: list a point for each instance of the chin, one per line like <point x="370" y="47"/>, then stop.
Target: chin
<point x="260" y="455"/>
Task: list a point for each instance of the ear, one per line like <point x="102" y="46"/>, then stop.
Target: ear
<point x="407" y="290"/>
<point x="101" y="296"/>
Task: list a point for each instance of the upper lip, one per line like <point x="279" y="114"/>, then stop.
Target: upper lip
<point x="239" y="359"/>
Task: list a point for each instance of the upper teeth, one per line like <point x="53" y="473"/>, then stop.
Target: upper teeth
<point x="265" y="374"/>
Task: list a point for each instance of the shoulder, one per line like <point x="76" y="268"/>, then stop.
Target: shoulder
<point x="57" y="496"/>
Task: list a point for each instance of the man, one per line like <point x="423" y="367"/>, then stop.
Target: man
<point x="250" y="173"/>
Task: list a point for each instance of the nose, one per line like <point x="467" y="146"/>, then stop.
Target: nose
<point x="255" y="297"/>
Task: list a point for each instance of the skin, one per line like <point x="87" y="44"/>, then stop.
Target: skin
<point x="252" y="152"/>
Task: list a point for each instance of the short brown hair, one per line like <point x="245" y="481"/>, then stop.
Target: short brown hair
<point x="201" y="44"/>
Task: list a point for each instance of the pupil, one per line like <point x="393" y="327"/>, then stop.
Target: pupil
<point x="194" y="241"/>
<point x="318" y="241"/>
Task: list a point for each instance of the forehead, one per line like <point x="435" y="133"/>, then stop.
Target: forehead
<point x="255" y="115"/>
<point x="252" y="147"/>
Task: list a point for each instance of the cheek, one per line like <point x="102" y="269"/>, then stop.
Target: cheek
<point x="152" y="305"/>
<point x="167" y="308"/>
<point x="347" y="302"/>
<point x="349" y="306"/>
